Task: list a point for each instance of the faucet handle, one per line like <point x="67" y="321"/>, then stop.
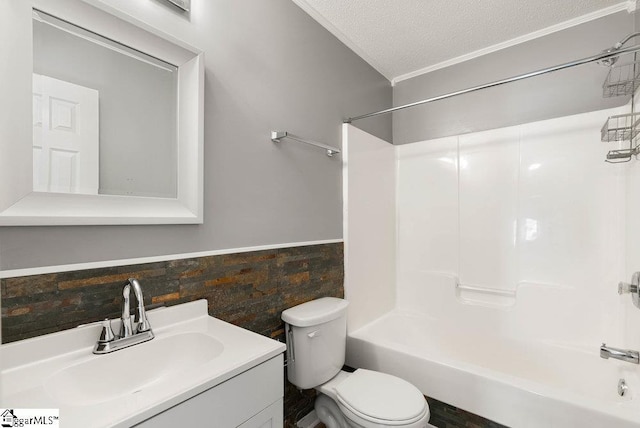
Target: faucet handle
<point x="633" y="288"/>
<point x="106" y="335"/>
<point x="624" y="287"/>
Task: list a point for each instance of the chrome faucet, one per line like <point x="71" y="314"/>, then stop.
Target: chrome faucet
<point x="627" y="355"/>
<point x="128" y="336"/>
<point x="126" y="329"/>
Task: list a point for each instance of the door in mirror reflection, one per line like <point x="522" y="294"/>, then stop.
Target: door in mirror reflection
<point x="65" y="137"/>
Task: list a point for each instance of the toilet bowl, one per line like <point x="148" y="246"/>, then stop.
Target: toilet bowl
<point x="371" y="399"/>
<point x="316" y="344"/>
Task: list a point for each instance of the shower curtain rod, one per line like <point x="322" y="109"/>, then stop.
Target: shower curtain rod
<point x="603" y="55"/>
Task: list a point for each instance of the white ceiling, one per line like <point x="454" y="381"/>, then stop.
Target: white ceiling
<point x="401" y="38"/>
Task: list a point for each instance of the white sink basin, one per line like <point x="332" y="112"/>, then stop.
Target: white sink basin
<point x="191" y="353"/>
<point x="130" y="370"/>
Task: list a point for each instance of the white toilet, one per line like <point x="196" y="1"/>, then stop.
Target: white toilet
<point x="316" y="341"/>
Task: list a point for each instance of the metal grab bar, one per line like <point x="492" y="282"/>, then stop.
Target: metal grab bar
<point x="277" y="136"/>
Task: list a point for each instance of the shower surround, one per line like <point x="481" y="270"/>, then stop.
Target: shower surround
<point x="500" y="286"/>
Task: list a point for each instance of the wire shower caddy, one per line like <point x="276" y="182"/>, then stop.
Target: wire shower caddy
<point x="621" y="127"/>
<point x="622" y="80"/>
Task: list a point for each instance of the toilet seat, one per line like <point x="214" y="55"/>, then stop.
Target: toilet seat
<point x="381" y="399"/>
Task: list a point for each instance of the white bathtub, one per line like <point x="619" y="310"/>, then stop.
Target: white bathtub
<point x="518" y="384"/>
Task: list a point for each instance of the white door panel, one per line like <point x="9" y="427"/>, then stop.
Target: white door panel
<point x="65" y="137"/>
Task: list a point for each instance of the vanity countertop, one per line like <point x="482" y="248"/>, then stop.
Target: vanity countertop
<point x="191" y="352"/>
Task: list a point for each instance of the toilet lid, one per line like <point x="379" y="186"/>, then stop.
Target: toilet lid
<point x="381" y="396"/>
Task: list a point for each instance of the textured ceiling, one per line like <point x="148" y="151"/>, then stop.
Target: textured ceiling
<point x="399" y="37"/>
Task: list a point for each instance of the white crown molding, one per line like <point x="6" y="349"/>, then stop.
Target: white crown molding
<point x="629" y="6"/>
<point x="141" y="260"/>
<point x="302" y="4"/>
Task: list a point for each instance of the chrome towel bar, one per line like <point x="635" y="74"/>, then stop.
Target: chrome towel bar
<point x="277" y="136"/>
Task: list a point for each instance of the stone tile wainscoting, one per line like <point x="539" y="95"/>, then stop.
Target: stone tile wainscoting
<point x="249" y="289"/>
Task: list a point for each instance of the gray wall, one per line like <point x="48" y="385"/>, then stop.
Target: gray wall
<point x="268" y="66"/>
<point x="562" y="93"/>
<point x="137" y="103"/>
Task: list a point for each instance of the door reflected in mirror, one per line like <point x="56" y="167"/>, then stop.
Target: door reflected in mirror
<point x="104" y="115"/>
<point x="65" y="137"/>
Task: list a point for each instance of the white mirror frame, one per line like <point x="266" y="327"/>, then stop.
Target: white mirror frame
<point x="19" y="204"/>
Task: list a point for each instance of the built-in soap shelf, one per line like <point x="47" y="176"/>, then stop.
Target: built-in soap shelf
<point x="485" y="296"/>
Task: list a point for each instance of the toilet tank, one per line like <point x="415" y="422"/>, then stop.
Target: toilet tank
<point x="316" y="334"/>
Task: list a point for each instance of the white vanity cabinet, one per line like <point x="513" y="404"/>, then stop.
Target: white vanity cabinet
<point x="252" y="399"/>
<point x="198" y="371"/>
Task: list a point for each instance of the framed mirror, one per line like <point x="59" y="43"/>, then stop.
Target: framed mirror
<point x="114" y="134"/>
